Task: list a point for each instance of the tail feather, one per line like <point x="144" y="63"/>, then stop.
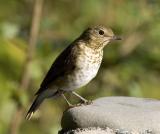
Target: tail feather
<point x="39" y="99"/>
<point x="34" y="107"/>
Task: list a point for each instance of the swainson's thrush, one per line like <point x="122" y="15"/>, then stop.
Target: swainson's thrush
<point x="76" y="66"/>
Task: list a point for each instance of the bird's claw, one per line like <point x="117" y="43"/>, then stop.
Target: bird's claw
<point x="71" y="106"/>
<point x="87" y="102"/>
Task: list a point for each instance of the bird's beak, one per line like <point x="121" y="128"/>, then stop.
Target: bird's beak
<point x="115" y="38"/>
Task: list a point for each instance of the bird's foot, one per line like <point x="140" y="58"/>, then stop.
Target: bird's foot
<point x="72" y="106"/>
<point x="86" y="102"/>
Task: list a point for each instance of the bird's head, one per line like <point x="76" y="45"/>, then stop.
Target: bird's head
<point x="99" y="36"/>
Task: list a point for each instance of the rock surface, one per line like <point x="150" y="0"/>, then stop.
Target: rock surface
<point x="117" y="113"/>
<point x="89" y="131"/>
<point x="98" y="130"/>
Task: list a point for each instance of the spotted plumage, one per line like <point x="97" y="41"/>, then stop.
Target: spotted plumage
<point x="76" y="66"/>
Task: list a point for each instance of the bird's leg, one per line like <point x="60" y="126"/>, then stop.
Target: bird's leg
<point x="83" y="99"/>
<point x="69" y="104"/>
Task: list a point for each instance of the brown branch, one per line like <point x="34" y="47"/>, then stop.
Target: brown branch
<point x="32" y="43"/>
<point x="25" y="80"/>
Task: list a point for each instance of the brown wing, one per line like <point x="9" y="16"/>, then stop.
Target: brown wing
<point x="64" y="62"/>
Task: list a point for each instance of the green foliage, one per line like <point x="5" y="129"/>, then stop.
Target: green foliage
<point x="130" y="67"/>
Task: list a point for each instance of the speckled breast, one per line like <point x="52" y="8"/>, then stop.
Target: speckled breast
<point x="88" y="64"/>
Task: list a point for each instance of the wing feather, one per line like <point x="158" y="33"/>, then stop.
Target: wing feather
<point x="65" y="61"/>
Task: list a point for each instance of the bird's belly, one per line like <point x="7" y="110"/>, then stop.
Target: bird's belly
<point x="87" y="66"/>
<point x="80" y="77"/>
<point x="84" y="76"/>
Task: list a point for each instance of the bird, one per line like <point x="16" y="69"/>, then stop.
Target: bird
<point x="75" y="67"/>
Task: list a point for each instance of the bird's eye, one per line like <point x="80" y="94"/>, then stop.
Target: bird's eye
<point x="101" y="32"/>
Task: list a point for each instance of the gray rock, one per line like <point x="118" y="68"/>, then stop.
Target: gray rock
<point x="118" y="113"/>
<point x="90" y="131"/>
<point x="98" y="130"/>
